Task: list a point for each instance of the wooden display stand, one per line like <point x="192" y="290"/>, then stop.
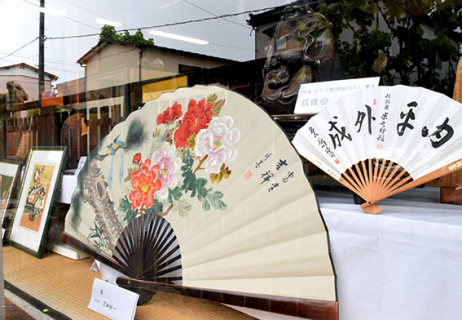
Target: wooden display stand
<point x="65" y="285"/>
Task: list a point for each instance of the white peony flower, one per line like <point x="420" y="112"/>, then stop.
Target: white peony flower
<point x="216" y="142"/>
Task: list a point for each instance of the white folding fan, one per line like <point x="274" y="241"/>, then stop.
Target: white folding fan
<point x="382" y="141"/>
<point x="201" y="193"/>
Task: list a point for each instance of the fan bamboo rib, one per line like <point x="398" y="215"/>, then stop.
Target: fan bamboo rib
<point x="374" y="182"/>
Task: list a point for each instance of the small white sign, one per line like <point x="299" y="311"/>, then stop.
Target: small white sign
<point x="107" y="273"/>
<point x="112" y="301"/>
<point x="313" y="97"/>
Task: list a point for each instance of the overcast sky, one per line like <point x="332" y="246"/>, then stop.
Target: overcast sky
<point x="229" y="38"/>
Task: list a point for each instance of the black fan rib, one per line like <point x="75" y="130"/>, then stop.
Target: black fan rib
<point x="148" y="250"/>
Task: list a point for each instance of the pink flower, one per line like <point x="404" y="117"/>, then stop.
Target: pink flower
<point x="168" y="167"/>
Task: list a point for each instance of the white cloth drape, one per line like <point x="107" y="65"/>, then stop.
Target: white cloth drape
<point x="405" y="263"/>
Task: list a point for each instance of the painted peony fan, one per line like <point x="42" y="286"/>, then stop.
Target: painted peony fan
<point x="201" y="193"/>
<point x="382" y="141"/>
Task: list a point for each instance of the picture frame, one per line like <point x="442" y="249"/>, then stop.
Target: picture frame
<point x="9" y="172"/>
<point x="39" y="187"/>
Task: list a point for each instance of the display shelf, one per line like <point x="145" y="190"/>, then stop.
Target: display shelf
<point x="65" y="285"/>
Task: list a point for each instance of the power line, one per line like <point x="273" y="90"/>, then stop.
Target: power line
<point x="87" y="10"/>
<point x="168" y="4"/>
<point x="48" y="68"/>
<point x="167" y="24"/>
<point x="84" y="24"/>
<point x="52" y="61"/>
<point x="83" y="8"/>
<point x="66" y="17"/>
<point x="10" y="54"/>
<point x="143" y="28"/>
<point x="213" y="14"/>
<point x="30" y="2"/>
<point x="226" y="46"/>
<point x="8" y="12"/>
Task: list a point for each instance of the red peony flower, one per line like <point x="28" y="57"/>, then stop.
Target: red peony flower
<point x="171" y="114"/>
<point x="145" y="183"/>
<point x="137" y="158"/>
<point x="195" y="119"/>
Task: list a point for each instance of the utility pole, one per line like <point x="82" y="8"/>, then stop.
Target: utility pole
<point x="46" y="127"/>
<point x="41" y="86"/>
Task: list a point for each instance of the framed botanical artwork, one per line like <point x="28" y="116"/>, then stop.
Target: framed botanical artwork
<point x="8" y="179"/>
<point x="40" y="183"/>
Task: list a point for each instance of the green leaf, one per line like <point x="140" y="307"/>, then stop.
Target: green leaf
<point x="124" y="204"/>
<point x="200" y="188"/>
<point x="190" y="182"/>
<point x="182" y="207"/>
<point x="174" y="194"/>
<point x="156" y="208"/>
<point x="188" y="161"/>
<point x="109" y="33"/>
<point x="205" y="205"/>
<point x="197" y="186"/>
<point x="188" y="176"/>
<point x="214" y="199"/>
<point x="130" y="216"/>
<point x="380" y="63"/>
<point x="217" y="194"/>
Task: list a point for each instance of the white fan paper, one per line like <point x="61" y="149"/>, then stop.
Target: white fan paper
<point x="382" y="141"/>
<point x="233" y="191"/>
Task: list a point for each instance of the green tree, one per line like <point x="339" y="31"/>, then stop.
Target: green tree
<point x="387" y="39"/>
<point x="110" y="33"/>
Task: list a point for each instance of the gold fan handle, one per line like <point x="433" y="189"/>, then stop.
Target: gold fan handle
<point x="371" y="208"/>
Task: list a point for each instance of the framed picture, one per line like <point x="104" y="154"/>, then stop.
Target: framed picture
<point x="40" y="183"/>
<point x="8" y="178"/>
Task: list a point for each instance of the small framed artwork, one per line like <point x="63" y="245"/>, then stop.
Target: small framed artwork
<point x="40" y="183"/>
<point x="8" y="178"/>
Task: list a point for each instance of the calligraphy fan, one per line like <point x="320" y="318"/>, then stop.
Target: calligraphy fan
<point x="382" y="141"/>
<point x="200" y="192"/>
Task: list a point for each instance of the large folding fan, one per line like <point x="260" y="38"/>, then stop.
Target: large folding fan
<point x="201" y="193"/>
<point x="382" y="141"/>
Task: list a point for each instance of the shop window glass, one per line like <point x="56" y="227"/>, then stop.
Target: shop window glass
<point x="104" y="60"/>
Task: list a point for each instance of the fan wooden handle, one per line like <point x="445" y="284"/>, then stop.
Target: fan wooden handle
<point x="375" y="179"/>
<point x="297" y="307"/>
<point x="371" y="208"/>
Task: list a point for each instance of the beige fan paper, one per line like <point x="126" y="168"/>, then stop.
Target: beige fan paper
<point x="205" y="177"/>
<point x="382" y="141"/>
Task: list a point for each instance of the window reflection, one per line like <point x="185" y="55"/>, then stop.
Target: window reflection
<point x="96" y="75"/>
